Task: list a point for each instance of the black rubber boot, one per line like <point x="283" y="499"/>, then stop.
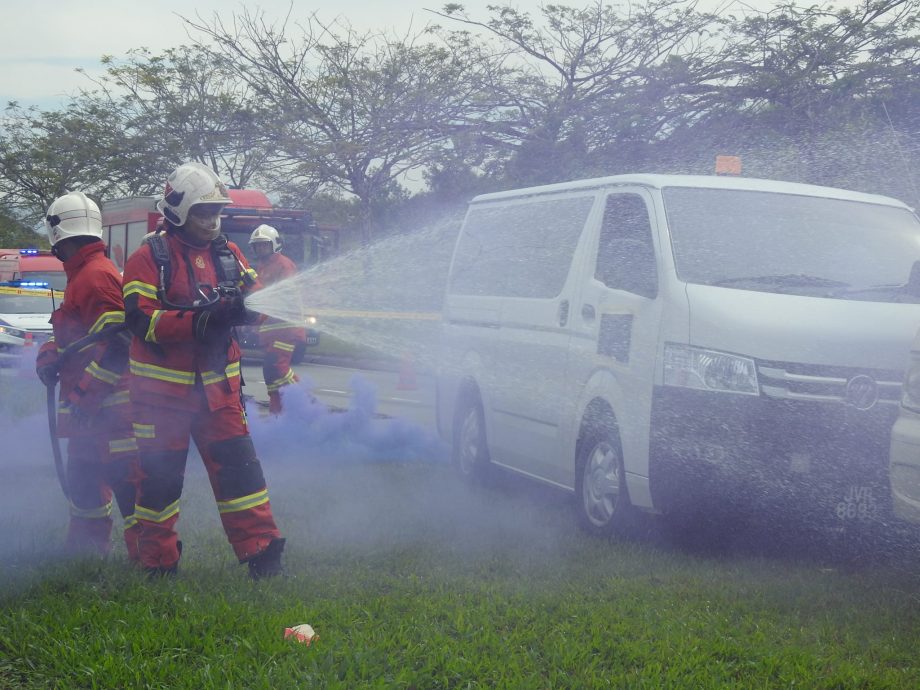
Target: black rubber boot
<point x="160" y="571"/>
<point x="267" y="563"/>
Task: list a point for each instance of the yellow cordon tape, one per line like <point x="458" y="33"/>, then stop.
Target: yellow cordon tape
<point x="31" y="292"/>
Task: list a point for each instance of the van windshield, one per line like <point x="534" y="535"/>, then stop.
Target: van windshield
<point x="792" y="244"/>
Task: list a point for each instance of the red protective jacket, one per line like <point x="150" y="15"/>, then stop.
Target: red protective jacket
<point x="97" y="376"/>
<point x="272" y="269"/>
<point x="165" y="359"/>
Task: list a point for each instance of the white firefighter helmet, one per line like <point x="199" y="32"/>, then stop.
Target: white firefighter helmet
<point x="73" y="215"/>
<point x="189" y="185"/>
<point x="266" y="233"/>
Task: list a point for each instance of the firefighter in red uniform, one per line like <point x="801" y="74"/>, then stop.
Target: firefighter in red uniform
<point x="278" y="339"/>
<point x="94" y="411"/>
<point x="182" y="299"/>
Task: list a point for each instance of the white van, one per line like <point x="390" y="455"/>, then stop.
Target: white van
<point x="673" y="342"/>
<point x="905" y="443"/>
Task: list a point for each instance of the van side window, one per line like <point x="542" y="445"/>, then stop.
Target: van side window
<point x="625" y="254"/>
<point x="521" y="249"/>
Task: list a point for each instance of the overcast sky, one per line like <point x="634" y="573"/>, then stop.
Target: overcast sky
<point x="43" y="41"/>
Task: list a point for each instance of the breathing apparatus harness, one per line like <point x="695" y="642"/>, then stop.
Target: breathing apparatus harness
<point x="230" y="273"/>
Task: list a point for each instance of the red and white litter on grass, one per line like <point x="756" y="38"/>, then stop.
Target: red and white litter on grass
<point x="301" y="633"/>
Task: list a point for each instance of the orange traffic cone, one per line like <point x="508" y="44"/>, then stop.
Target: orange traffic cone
<point x="407" y="380"/>
<point x="28" y="338"/>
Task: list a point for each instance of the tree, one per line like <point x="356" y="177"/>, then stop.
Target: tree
<point x="187" y="104"/>
<point x="807" y="68"/>
<point x="587" y="84"/>
<point x="821" y="94"/>
<point x="44" y="154"/>
<point x="14" y="234"/>
<point x="358" y="110"/>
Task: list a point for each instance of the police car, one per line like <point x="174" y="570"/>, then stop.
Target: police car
<point x="25" y="314"/>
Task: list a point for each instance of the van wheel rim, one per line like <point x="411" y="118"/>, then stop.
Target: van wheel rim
<point x="601" y="487"/>
<point x="469" y="443"/>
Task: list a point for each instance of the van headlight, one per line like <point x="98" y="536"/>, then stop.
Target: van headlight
<point x="910" y="395"/>
<point x="709" y="370"/>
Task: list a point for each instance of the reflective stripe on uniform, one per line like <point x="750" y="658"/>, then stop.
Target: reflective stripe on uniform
<point x="123" y="445"/>
<point x="151" y="335"/>
<point x="209" y="377"/>
<point x="107" y="319"/>
<point x="243" y="503"/>
<point x="284" y="347"/>
<point x="152" y="371"/>
<point x="144" y="430"/>
<point x="91" y="513"/>
<point x="288" y="378"/>
<point x="130" y="521"/>
<point x="104" y="375"/>
<point x="142" y="513"/>
<point x="117" y="398"/>
<point x="136" y="287"/>
<point x="252" y="274"/>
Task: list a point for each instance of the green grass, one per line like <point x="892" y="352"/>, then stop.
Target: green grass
<point x="412" y="581"/>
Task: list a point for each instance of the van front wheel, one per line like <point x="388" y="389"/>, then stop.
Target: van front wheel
<point x="600" y="485"/>
<point x="470" y="452"/>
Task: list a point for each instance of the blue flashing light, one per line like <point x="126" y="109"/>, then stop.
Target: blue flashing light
<point x="28" y="252"/>
<point x="26" y="284"/>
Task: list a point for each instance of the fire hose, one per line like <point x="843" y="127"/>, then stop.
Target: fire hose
<point x="51" y="397"/>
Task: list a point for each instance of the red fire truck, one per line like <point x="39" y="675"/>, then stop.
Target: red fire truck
<point x="126" y="221"/>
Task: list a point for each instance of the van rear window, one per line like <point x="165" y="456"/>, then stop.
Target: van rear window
<point x="518" y="249"/>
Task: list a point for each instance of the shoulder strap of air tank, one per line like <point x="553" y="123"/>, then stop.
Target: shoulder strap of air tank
<point x="160" y="251"/>
<point x="225" y="261"/>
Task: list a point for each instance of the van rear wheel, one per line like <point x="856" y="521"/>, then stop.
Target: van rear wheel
<point x="604" y="507"/>
<point x="470" y="452"/>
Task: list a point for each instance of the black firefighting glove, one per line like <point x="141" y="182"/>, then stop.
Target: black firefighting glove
<point x="237" y="314"/>
<point x="211" y="327"/>
<point x="231" y="307"/>
<point x="48" y="374"/>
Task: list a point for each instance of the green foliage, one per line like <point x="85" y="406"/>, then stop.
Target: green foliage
<point x="186" y="104"/>
<point x="15" y="235"/>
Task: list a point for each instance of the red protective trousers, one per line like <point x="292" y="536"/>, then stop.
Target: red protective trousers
<point x="222" y="438"/>
<point x="277" y="372"/>
<point x="101" y="463"/>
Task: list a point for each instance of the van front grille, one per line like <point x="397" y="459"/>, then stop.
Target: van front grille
<point x="860" y="388"/>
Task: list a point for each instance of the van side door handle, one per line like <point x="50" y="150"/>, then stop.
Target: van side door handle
<point x="587" y="312"/>
<point x="563" y="312"/>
